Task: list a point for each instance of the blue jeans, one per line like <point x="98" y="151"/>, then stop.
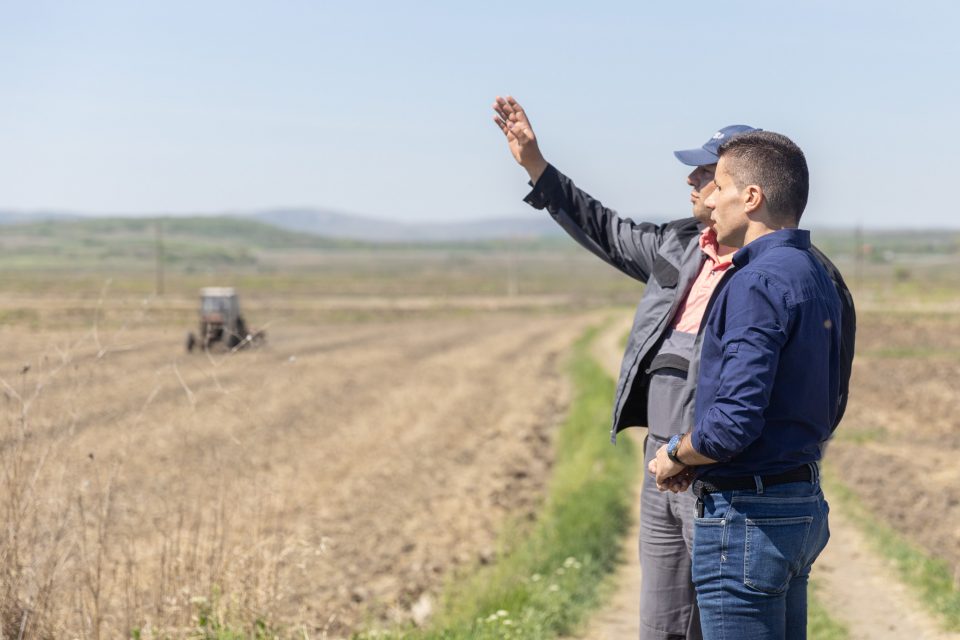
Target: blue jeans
<point x="752" y="553"/>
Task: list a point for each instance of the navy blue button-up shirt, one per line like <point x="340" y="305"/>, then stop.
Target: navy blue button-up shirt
<point x="768" y="387"/>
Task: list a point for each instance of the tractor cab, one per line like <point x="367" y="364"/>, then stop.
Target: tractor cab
<point x="219" y="304"/>
<point x="221" y="321"/>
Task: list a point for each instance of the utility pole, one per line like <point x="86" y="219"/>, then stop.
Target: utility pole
<point x="159" y="252"/>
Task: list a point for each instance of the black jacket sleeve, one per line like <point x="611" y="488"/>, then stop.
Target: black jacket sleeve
<point x="629" y="246"/>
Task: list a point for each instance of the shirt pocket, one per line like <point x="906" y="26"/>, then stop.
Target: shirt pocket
<point x="774" y="551"/>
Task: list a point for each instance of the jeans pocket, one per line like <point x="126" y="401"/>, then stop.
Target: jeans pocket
<point x="709" y="537"/>
<point x="774" y="551"/>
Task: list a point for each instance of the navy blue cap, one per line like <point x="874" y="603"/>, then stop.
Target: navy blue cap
<point x="707" y="154"/>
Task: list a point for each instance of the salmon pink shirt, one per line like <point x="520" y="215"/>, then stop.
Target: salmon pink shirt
<point x="719" y="259"/>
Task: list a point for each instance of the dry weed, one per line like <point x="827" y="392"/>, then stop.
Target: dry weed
<point x="84" y="553"/>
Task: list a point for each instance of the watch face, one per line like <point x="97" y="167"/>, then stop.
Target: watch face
<point x="672" y="447"/>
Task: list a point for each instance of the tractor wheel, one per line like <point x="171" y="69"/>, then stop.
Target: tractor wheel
<point x="239" y="334"/>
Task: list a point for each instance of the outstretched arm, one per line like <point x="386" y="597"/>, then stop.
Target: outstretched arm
<point x="514" y="124"/>
<point x="631" y="247"/>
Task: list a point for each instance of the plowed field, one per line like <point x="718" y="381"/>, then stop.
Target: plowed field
<point x="898" y="445"/>
<point x="338" y="474"/>
<point x="342" y="473"/>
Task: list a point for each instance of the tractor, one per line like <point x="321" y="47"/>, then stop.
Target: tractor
<point x="221" y="322"/>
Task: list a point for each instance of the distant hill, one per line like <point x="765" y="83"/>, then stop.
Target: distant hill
<point x="319" y="228"/>
<point x="338" y="225"/>
<point x="213" y="242"/>
<point x="290" y="239"/>
<point x="886" y="244"/>
<point x="201" y="242"/>
<point x="19" y="217"/>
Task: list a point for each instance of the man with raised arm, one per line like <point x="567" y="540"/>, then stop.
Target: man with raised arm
<point x="680" y="262"/>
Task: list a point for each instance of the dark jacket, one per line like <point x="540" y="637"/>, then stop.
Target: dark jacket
<point x="667" y="257"/>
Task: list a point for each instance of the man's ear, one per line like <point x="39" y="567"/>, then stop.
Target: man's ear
<point x="752" y="198"/>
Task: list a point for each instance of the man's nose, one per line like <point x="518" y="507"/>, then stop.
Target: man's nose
<point x="690" y="180"/>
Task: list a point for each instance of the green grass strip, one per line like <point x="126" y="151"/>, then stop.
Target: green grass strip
<point x="544" y="583"/>
<point x="928" y="576"/>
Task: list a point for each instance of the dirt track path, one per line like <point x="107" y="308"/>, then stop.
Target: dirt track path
<point x="621" y="617"/>
<point x="857" y="587"/>
<point x="861" y="590"/>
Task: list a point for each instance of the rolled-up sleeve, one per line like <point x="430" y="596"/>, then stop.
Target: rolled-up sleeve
<point x="756" y="323"/>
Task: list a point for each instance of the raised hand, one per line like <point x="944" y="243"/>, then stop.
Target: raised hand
<point x="520" y="137"/>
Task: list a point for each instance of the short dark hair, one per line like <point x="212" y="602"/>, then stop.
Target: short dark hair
<point x="775" y="164"/>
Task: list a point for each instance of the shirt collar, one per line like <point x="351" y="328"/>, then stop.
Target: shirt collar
<point x="710" y="246"/>
<point x="798" y="238"/>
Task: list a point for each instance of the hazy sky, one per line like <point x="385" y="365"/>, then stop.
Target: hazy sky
<point x="383" y="108"/>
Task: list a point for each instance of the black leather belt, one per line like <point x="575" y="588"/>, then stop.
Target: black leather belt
<point x="716" y="485"/>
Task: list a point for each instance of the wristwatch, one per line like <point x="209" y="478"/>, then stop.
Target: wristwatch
<point x="673" y="445"/>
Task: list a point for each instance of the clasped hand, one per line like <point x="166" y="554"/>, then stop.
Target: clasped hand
<point x="669" y="475"/>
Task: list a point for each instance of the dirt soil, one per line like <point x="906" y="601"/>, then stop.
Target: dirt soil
<point x="900" y="440"/>
<point x="339" y="475"/>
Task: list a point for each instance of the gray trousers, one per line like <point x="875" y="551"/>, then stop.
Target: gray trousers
<point x="668" y="601"/>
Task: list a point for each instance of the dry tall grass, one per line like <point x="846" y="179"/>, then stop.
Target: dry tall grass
<point x="86" y="551"/>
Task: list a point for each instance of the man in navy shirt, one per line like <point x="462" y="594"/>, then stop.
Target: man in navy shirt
<point x="767" y="398"/>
